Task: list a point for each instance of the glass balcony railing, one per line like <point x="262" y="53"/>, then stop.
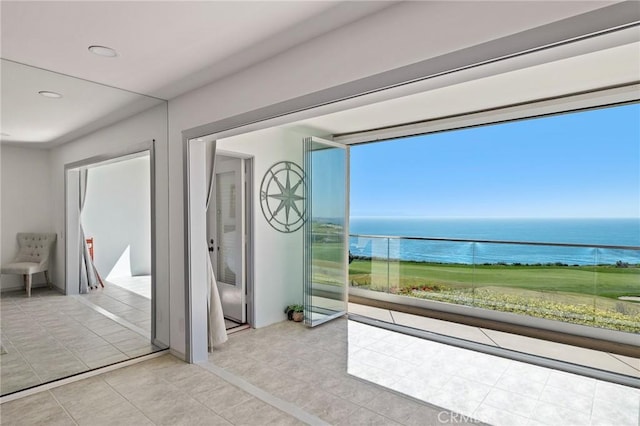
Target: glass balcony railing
<point x="597" y="286"/>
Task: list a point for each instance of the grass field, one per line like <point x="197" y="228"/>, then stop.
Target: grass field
<point x="606" y="281"/>
<point x="579" y="294"/>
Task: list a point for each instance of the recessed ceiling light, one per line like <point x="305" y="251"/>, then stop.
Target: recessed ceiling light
<point x="48" y="94"/>
<point x="107" y="52"/>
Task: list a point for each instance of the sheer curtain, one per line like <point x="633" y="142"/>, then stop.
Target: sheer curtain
<point x="89" y="277"/>
<point x="217" y="332"/>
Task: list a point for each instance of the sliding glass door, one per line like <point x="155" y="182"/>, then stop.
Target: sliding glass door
<point x="326" y="166"/>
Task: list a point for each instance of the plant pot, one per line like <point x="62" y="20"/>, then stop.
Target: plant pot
<point x="298" y="316"/>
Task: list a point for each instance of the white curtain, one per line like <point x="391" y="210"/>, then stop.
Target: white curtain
<point x="217" y="331"/>
<point x="89" y="277"/>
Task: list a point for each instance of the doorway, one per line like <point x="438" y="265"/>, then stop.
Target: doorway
<point x="116" y="219"/>
<point x="109" y="232"/>
<point x="278" y="235"/>
<point x="326" y="230"/>
<point x="101" y="323"/>
<point x="229" y="236"/>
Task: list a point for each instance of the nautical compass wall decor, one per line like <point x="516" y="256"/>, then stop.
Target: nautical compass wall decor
<point x="282" y="194"/>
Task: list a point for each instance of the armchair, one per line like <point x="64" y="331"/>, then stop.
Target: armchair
<point x="33" y="257"/>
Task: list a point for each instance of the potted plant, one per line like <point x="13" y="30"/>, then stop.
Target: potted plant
<point x="294" y="312"/>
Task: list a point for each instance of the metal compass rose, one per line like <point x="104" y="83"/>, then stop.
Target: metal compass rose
<point x="282" y="194"/>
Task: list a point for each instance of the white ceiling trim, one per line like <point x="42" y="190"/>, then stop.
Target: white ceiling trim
<point x="528" y="109"/>
<point x="591" y="72"/>
<point x="431" y="74"/>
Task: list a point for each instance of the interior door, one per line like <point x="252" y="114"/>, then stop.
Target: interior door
<point x="227" y="236"/>
<point x="326" y="230"/>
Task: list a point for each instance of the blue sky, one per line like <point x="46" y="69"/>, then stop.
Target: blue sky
<point x="572" y="165"/>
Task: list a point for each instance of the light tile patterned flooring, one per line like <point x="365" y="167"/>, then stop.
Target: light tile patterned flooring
<point x="343" y="372"/>
<point x="303" y="374"/>
<point x="140" y="285"/>
<point x="288" y="374"/>
<point x="308" y="368"/>
<point x="129" y="299"/>
<point x="492" y="389"/>
<point x="299" y="373"/>
<point x="50" y="336"/>
<point x="615" y="363"/>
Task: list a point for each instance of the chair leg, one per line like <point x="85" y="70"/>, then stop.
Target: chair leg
<point x="46" y="276"/>
<point x="28" y="276"/>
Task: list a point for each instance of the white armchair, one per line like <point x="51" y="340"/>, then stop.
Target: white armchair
<point x="33" y="257"/>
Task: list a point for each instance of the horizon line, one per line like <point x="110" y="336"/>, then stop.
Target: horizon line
<point x="491" y="217"/>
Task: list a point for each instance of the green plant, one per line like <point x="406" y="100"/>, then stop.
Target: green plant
<point x="294" y="312"/>
<point x="294" y="308"/>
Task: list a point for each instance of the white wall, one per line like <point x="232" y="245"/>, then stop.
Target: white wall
<point x="26" y="203"/>
<point x="400" y="35"/>
<point x="117" y="215"/>
<point x="278" y="256"/>
<point x="116" y="139"/>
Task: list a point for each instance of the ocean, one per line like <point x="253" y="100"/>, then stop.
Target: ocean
<point x="612" y="232"/>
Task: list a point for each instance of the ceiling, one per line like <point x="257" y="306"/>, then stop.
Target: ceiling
<point x="165" y="49"/>
<point x="28" y="117"/>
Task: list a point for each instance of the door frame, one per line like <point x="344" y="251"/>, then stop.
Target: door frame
<point x="463" y="65"/>
<point x="72" y="218"/>
<point x="195" y="226"/>
<point x="248" y="228"/>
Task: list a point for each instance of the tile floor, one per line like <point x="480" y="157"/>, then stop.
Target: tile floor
<point x="285" y="374"/>
<point x="587" y="357"/>
<point x="141" y="285"/>
<point x="495" y="390"/>
<point x="343" y="373"/>
<point x="50" y="336"/>
<point x="308" y="368"/>
<point x="128" y="299"/>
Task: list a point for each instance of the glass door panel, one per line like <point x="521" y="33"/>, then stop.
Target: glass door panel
<point x="226" y="227"/>
<point x="325" y="230"/>
<point x="229" y="257"/>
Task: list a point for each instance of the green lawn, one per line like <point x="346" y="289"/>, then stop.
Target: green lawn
<point x="578" y="294"/>
<point x="605" y="281"/>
